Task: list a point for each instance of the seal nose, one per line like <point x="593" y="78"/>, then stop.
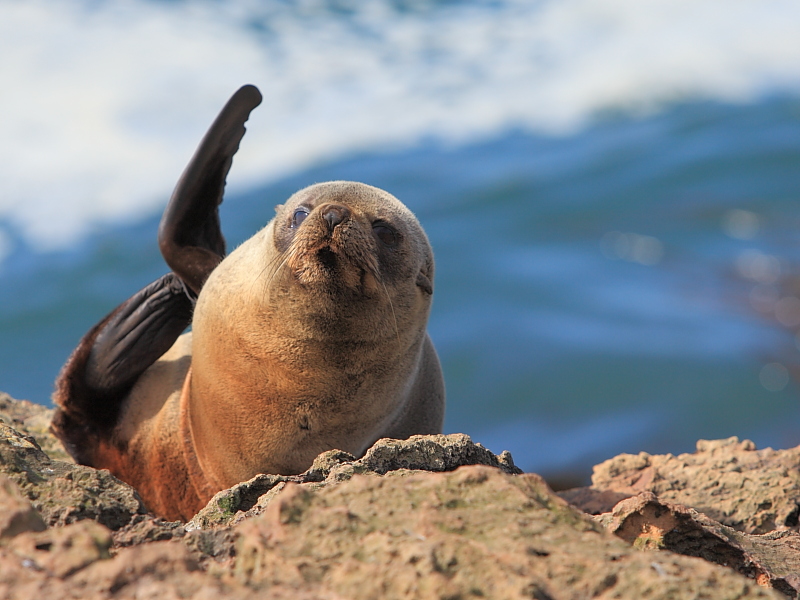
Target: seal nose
<point x="335" y="214"/>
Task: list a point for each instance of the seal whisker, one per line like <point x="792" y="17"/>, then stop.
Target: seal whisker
<point x="268" y="284"/>
<point x="391" y="305"/>
<point x="280" y="260"/>
<point x="260" y="274"/>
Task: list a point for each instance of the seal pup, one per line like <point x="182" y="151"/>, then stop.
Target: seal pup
<point x="308" y="337"/>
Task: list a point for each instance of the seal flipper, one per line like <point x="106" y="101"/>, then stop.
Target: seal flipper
<point x="110" y="359"/>
<point x="112" y="356"/>
<point x="136" y="334"/>
<point x="189" y="235"/>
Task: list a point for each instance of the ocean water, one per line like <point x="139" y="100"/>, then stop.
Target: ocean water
<point x="612" y="191"/>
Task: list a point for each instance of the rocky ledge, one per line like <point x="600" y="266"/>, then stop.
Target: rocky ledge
<point x="429" y="517"/>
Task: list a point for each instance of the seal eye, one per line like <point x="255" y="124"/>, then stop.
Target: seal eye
<point x="385" y="234"/>
<point x="299" y="216"/>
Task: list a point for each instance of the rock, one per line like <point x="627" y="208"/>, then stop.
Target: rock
<point x="33" y="420"/>
<point x="475" y="532"/>
<point x="62" y="551"/>
<point x="419" y="452"/>
<point x="63" y="492"/>
<point x="383" y="526"/>
<point x="16" y="513"/>
<point x="147" y="528"/>
<point x="224" y="506"/>
<point x="772" y="559"/>
<point x="754" y="491"/>
<point x="217" y="544"/>
<point x="431" y="453"/>
<point x="163" y="570"/>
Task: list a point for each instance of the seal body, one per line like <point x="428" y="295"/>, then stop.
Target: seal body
<point x="327" y="351"/>
<point x="308" y="337"/>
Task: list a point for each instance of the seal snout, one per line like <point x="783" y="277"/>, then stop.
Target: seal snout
<point x="334" y="214"/>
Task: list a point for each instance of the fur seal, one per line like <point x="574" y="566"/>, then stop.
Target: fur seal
<point x="308" y="337"/>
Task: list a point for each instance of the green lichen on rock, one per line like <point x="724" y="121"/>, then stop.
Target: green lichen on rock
<point x="224" y="506"/>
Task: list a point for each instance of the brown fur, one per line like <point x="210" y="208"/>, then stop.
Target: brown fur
<point x="302" y="341"/>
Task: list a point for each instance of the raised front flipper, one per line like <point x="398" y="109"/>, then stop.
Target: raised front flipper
<point x="189" y="235"/>
<point x="113" y="355"/>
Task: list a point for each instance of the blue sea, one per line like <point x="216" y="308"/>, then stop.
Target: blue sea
<point x="611" y="189"/>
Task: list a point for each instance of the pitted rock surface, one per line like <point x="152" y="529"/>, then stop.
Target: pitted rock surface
<point x="472" y="533"/>
<point x="32" y="420"/>
<point x="754" y="491"/>
<point x="62" y="492"/>
<point x="378" y="527"/>
<point x="772" y="559"/>
<point x="417" y="453"/>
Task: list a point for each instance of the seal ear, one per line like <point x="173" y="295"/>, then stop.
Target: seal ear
<point x="424" y="283"/>
<point x="189" y="235"/>
<point x="425" y="275"/>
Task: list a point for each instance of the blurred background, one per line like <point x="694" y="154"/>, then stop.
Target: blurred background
<point x="611" y="188"/>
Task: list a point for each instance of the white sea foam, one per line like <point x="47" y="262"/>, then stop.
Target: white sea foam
<point x="103" y="103"/>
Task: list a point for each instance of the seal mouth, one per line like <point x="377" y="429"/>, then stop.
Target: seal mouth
<point x="335" y="266"/>
<point x="331" y="251"/>
<point x="327" y="258"/>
